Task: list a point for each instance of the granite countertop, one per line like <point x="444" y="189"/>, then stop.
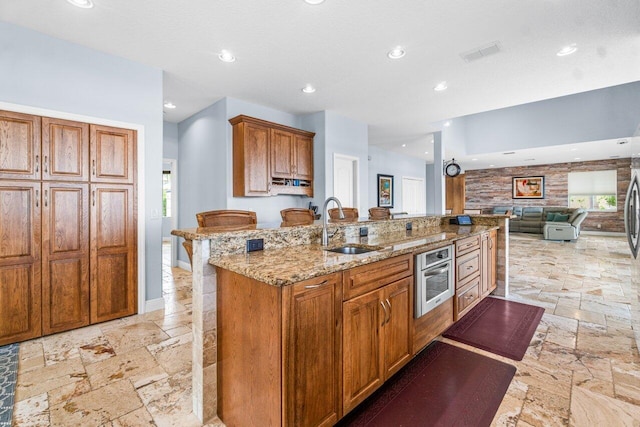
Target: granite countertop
<point x="286" y="266"/>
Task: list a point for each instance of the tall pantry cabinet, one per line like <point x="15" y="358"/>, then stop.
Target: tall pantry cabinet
<point x="67" y="225"/>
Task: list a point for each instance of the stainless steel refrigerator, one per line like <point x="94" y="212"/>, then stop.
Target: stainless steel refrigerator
<point x="632" y="210"/>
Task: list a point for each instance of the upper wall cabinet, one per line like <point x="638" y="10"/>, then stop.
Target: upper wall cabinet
<point x="112" y="154"/>
<point x="65" y="150"/>
<point x="19" y="146"/>
<point x="271" y="159"/>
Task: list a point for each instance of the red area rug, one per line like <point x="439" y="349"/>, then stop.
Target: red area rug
<point x="442" y="386"/>
<point x="498" y="326"/>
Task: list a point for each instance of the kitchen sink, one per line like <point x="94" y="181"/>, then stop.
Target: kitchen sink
<point x="352" y="249"/>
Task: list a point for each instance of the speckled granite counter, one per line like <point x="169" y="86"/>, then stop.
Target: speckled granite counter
<point x="285" y="266"/>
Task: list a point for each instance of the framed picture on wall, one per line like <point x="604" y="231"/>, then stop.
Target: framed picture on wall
<point x="528" y="187"/>
<point x="385" y="191"/>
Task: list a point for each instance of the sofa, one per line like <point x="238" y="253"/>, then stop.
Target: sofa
<point x="553" y="222"/>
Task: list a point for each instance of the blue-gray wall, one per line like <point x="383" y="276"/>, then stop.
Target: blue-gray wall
<point x="40" y="71"/>
<point x="390" y="163"/>
<point x="607" y="113"/>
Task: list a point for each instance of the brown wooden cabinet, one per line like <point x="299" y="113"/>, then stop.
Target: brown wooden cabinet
<point x="20" y="261"/>
<point x="377" y="335"/>
<point x="19" y="146"/>
<point x="67" y="259"/>
<point x="65" y="150"/>
<point x="280" y="348"/>
<point x="113" y="252"/>
<point x="489" y="253"/>
<point x="113" y="154"/>
<point x="271" y="159"/>
<point x="65" y="256"/>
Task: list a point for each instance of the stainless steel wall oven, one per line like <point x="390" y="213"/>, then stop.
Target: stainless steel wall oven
<point x="434" y="279"/>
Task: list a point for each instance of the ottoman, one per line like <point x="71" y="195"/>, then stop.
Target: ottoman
<point x="559" y="231"/>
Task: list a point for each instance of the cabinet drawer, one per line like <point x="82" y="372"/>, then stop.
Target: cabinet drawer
<point x="468" y="244"/>
<point x="468" y="295"/>
<point x="360" y="280"/>
<point x="466" y="266"/>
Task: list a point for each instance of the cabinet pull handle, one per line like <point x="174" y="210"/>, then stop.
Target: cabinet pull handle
<point x="389" y="304"/>
<point x="37" y="163"/>
<point x="93" y="197"/>
<point x="46" y="198"/>
<point x="46" y="164"/>
<point x="316" y="286"/>
<point x="384" y="307"/>
<point x="490" y="243"/>
<point x="37" y="198"/>
<point x="93" y="167"/>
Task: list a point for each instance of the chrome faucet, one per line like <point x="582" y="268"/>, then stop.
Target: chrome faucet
<point x="325" y="215"/>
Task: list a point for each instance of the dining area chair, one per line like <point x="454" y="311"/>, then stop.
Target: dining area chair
<point x="472" y="211"/>
<point x="296" y="216"/>
<point x="350" y="215"/>
<point x="220" y="221"/>
<point x="379" y="213"/>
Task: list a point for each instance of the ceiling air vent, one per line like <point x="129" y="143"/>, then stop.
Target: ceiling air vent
<point x="481" y="52"/>
<point x="509" y="152"/>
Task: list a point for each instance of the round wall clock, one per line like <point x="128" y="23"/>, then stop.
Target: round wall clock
<point x="452" y="169"/>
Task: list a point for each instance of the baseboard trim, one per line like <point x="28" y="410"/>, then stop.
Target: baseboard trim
<point x="153" y="305"/>
<point x="602" y="233"/>
<point x="184" y="265"/>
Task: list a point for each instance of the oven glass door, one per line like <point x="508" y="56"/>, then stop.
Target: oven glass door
<point x="436" y="286"/>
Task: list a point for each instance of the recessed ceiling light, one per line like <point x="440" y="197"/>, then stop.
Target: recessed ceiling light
<point x="308" y="89"/>
<point x="576" y="158"/>
<point x="226" y="56"/>
<point x="473" y="160"/>
<point x="491" y="166"/>
<point x="85" y="4"/>
<point x="447" y="123"/>
<point x="396" y="53"/>
<point x="574" y="149"/>
<point x="426" y="152"/>
<point x="313" y="1"/>
<point x="440" y="86"/>
<point x="567" y="50"/>
<point x="404" y="145"/>
<point x="169" y="105"/>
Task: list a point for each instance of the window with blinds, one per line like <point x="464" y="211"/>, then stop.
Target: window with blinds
<point x="594" y="191"/>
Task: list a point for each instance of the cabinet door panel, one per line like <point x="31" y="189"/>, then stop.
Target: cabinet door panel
<point x="362" y="364"/>
<point x="250" y="160"/>
<point x="20" y="262"/>
<point x="113" y="252"/>
<point x="19" y="146"/>
<point x="312" y="358"/>
<point x="303" y="157"/>
<point x="65" y="150"/>
<point x="281" y="154"/>
<point x="112" y="154"/>
<point x="397" y="331"/>
<point x="65" y="257"/>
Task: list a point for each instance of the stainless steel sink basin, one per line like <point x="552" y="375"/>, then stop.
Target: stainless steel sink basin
<point x="351" y="249"/>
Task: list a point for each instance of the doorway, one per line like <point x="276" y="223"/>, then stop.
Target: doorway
<point x="413" y="195"/>
<point x="169" y="210"/>
<point x="345" y="179"/>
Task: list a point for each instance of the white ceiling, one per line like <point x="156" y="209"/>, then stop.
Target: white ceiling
<point x="340" y="47"/>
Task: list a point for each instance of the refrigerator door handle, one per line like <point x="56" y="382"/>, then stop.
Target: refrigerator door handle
<point x="631" y="209"/>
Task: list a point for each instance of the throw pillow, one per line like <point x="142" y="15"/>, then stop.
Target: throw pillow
<point x="550" y="216"/>
<point x="561" y="218"/>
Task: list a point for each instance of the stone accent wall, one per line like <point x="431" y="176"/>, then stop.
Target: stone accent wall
<point x="487" y="188"/>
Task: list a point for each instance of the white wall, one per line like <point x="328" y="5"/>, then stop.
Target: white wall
<point x="391" y="163"/>
<point x="44" y="72"/>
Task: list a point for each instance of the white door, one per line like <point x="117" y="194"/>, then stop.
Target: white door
<point x="413" y="195"/>
<point x="345" y="180"/>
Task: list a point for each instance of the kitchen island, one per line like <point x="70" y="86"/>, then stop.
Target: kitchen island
<point x="293" y="256"/>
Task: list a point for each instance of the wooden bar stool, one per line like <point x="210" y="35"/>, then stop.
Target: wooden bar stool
<point x="350" y="215"/>
<point x="379" y="213"/>
<point x="296" y="216"/>
<point x="222" y="220"/>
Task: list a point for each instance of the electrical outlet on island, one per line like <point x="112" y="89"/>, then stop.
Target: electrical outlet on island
<point x="255" y="245"/>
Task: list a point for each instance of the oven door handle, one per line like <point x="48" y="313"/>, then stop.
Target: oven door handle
<point x="431" y="273"/>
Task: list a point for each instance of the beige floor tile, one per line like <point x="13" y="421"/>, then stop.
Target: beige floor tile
<point x="38" y="381"/>
<point x="138" y="418"/>
<point x="135" y="335"/>
<point x="593" y="409"/>
<point x="97" y="406"/>
<point x="32" y="412"/>
<point x="120" y="367"/>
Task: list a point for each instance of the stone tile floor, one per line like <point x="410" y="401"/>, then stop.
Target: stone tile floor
<point x="581" y="369"/>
